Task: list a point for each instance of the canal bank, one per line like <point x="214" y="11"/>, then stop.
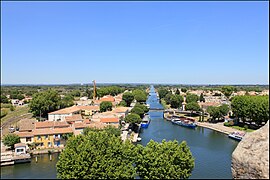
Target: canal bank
<point x="212" y="151"/>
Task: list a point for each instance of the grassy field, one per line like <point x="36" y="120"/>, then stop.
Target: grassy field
<point x="17" y="112"/>
<point x="242" y="129"/>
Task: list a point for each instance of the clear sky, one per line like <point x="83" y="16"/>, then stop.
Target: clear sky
<point x="136" y="42"/>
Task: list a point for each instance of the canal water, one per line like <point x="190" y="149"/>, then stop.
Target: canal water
<point x="212" y="150"/>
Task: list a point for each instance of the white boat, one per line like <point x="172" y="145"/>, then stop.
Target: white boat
<point x="236" y="135"/>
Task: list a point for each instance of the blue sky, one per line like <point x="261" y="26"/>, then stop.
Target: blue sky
<point x="137" y="42"/>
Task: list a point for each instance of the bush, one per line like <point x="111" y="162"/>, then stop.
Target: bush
<point x="245" y="127"/>
<point x="3" y="113"/>
<point x="227" y="124"/>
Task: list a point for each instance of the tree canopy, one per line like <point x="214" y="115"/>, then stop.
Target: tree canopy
<point x="142" y="106"/>
<point x="133" y="118"/>
<point x="176" y="101"/>
<point x="202" y="98"/>
<point x="251" y="108"/>
<point x="138" y="110"/>
<point x="228" y="90"/>
<point x="218" y="112"/>
<point x="162" y="92"/>
<point x="192" y="98"/>
<point x="139" y="95"/>
<point x="96" y="155"/>
<point x="45" y="102"/>
<point x="4" y="99"/>
<point x="165" y="160"/>
<point x="10" y="140"/>
<point x="105" y="106"/>
<point x="48" y="101"/>
<point x="193" y="106"/>
<point x="102" y="154"/>
<point x="128" y="97"/>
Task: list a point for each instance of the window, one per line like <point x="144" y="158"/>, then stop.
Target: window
<point x="41" y="144"/>
<point x="20" y="150"/>
<point x="38" y="137"/>
<point x="49" y="144"/>
<point x="28" y="139"/>
<point x="46" y="136"/>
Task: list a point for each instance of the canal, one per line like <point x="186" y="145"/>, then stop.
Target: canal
<point x="212" y="150"/>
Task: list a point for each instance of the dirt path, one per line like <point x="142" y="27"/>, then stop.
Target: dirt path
<point x="218" y="127"/>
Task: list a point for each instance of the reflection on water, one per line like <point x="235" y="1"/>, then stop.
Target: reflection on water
<point x="44" y="168"/>
<point x="212" y="151"/>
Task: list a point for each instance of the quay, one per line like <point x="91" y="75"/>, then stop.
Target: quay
<point x="9" y="158"/>
<point x="218" y="127"/>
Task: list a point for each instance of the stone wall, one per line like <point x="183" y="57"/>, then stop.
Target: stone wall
<point x="250" y="159"/>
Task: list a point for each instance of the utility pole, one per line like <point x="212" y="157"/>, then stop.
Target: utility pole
<point x="94" y="90"/>
<point x="39" y="114"/>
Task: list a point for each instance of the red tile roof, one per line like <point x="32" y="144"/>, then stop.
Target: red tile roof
<point x="51" y="124"/>
<point x="72" y="118"/>
<point x="89" y="108"/>
<point x="107" y="98"/>
<point x="24" y="134"/>
<point x="79" y="125"/>
<point x="67" y="110"/>
<point x="108" y="120"/>
<point x="52" y="131"/>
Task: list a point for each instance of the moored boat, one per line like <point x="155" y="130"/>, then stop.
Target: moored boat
<point x="236" y="136"/>
<point x="145" y="122"/>
<point x="184" y="122"/>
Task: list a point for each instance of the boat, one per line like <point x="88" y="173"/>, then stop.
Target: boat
<point x="236" y="136"/>
<point x="139" y="139"/>
<point x="184" y="122"/>
<point x="145" y="122"/>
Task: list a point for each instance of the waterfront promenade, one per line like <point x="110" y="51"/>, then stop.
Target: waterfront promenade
<point x="218" y="127"/>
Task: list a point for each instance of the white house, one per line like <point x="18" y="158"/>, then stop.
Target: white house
<point x="62" y="113"/>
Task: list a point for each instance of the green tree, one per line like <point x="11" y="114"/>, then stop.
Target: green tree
<point x="193" y="106"/>
<point x="165" y="160"/>
<point x="214" y="112"/>
<point x="20" y="97"/>
<point x="192" y="98"/>
<point x="67" y="136"/>
<point x="184" y="90"/>
<point x="138" y="111"/>
<point x="162" y="92"/>
<point x="105" y="106"/>
<point x="45" y="102"/>
<point x="142" y="106"/>
<point x="123" y="103"/>
<point x="251" y="108"/>
<point x="133" y="118"/>
<point x="202" y="98"/>
<point x="167" y="98"/>
<point x="4" y="99"/>
<point x="139" y="95"/>
<point x="177" y="91"/>
<point x="128" y="97"/>
<point x="10" y="140"/>
<point x="176" y="101"/>
<point x="224" y="109"/>
<point x="228" y="90"/>
<point x="97" y="155"/>
<point x="67" y="101"/>
<point x="75" y="93"/>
